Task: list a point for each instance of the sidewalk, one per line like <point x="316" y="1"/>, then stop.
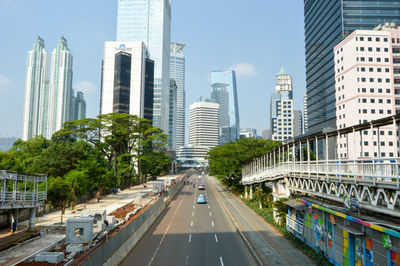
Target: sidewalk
<point x="109" y="203"/>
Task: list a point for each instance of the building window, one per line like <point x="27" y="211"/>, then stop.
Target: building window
<point x="372" y="100"/>
<point x="378" y="59"/>
<point x="371" y="79"/>
<point x="371" y="69"/>
<point x="386" y="49"/>
<point x="380" y="80"/>
<point x="369" y="39"/>
<point x="372" y="111"/>
<point x="370" y="59"/>
<point x="387" y="60"/>
<point x="385" y="39"/>
<point x="364" y="89"/>
<point x="379" y="69"/>
<point x="362" y="49"/>
<point x="380" y="100"/>
<point x="378" y="49"/>
<point x="365" y="143"/>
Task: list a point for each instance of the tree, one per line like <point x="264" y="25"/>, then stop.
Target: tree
<point x="226" y="162"/>
<point x="281" y="209"/>
<point x="259" y="196"/>
<point x="60" y="194"/>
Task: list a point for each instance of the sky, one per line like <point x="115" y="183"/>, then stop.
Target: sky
<point x="256" y="38"/>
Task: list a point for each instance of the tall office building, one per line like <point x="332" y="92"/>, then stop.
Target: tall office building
<point x="297" y="123"/>
<point x="78" y="106"/>
<point x="305" y="127"/>
<point x="204" y="124"/>
<point x="367" y="66"/>
<point x="36" y="91"/>
<point x="172" y="115"/>
<point x="126" y="79"/>
<point x="326" y="24"/>
<point x="224" y="92"/>
<point x="60" y="92"/>
<point x="149" y="21"/>
<point x="177" y="73"/>
<point x="282" y="107"/>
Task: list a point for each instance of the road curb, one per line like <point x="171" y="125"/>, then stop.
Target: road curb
<point x="242" y="236"/>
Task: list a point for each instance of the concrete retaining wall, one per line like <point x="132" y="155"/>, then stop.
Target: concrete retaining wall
<point x="118" y="247"/>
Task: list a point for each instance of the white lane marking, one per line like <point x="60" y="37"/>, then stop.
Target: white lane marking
<point x="190" y="238"/>
<point x="222" y="262"/>
<point x="187" y="259"/>
<point x="216" y="239"/>
<point x="208" y="206"/>
<point x="191" y="224"/>
<point x="212" y="222"/>
<point x="193" y="206"/>
<point x="210" y="213"/>
<point x="192" y="213"/>
<point x="162" y="239"/>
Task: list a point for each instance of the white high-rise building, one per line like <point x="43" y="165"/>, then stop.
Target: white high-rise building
<point x="177" y="73"/>
<point x="367" y="82"/>
<point x="60" y="92"/>
<point x="282" y="107"/>
<point x="204" y="124"/>
<point x="149" y="21"/>
<point x="36" y="91"/>
<point x="127" y="79"/>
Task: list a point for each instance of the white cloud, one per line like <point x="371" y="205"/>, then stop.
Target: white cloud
<point x="5" y="83"/>
<point x="244" y="69"/>
<point x="86" y="87"/>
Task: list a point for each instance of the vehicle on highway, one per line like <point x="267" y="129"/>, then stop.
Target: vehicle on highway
<point x="201" y="187"/>
<point x="199" y="176"/>
<point x="201" y="199"/>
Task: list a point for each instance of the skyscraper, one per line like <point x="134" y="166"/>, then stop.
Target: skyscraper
<point x="60" y="92"/>
<point x="326" y="24"/>
<point x="224" y="92"/>
<point x="80" y="106"/>
<point x="127" y="79"/>
<point x="305" y="128"/>
<point x="36" y="91"/>
<point x="172" y="115"/>
<point x="149" y="21"/>
<point x="203" y="128"/>
<point x="282" y="107"/>
<point x="177" y="73"/>
<point x="297" y="123"/>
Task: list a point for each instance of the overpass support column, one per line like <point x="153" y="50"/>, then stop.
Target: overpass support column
<point x="246" y="194"/>
<point x="32" y="219"/>
<point x="251" y="192"/>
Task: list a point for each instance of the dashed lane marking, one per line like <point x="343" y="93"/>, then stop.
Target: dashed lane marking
<point x="192" y="213"/>
<point x="210" y="214"/>
<point x="216" y="239"/>
<point x="190" y="238"/>
<point x="222" y="262"/>
<point x="191" y="224"/>
<point x="212" y="222"/>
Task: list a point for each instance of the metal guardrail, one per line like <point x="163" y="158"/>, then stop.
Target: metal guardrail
<point x="293" y="225"/>
<point x="377" y="170"/>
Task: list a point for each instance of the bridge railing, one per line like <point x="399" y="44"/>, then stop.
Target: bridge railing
<point x="377" y="170"/>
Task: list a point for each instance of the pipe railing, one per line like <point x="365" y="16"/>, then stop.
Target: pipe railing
<point x="378" y="170"/>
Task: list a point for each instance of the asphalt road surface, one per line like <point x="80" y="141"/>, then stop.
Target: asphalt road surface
<point x="187" y="233"/>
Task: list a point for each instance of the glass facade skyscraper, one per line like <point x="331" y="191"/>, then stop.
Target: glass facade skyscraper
<point x="36" y="91"/>
<point x="177" y="73"/>
<point x="149" y="21"/>
<point x="224" y="92"/>
<point x="60" y="93"/>
<point x="327" y="23"/>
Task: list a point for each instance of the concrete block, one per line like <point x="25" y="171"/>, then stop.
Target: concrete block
<point x="51" y="257"/>
<point x="74" y="248"/>
<point x="79" y="230"/>
<point x="99" y="216"/>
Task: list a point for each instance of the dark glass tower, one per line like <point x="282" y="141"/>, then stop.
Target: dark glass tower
<point x="326" y="23"/>
<point x="149" y="90"/>
<point x="122" y="82"/>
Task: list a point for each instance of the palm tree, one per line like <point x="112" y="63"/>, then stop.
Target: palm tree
<point x="260" y="196"/>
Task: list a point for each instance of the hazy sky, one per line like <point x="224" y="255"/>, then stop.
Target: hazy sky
<point x="256" y="38"/>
